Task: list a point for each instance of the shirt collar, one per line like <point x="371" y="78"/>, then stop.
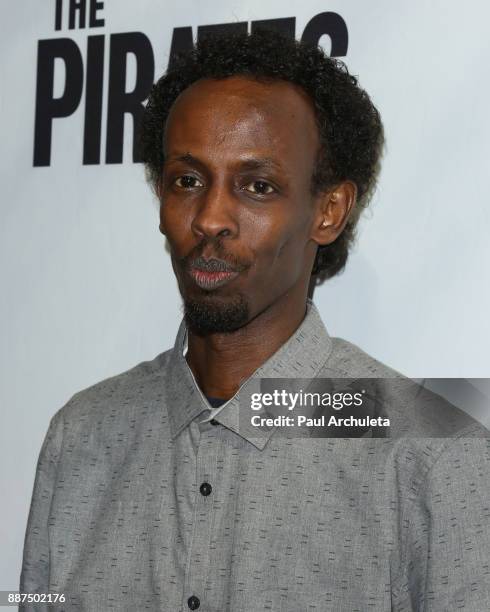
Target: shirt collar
<point x="302" y="356"/>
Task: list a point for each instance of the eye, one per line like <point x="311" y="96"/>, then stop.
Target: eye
<point x="187" y="181"/>
<point x="259" y="188"/>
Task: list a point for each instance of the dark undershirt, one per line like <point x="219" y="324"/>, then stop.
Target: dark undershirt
<point x="215" y="402"/>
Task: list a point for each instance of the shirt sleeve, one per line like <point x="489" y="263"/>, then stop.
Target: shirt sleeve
<point x="35" y="564"/>
<point x="447" y="552"/>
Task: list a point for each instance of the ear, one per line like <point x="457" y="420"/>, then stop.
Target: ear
<point x="333" y="209"/>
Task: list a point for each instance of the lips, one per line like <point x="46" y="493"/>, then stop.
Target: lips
<point x="211" y="273"/>
<point x="211" y="280"/>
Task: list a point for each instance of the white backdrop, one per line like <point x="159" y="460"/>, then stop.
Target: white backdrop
<point x="87" y="287"/>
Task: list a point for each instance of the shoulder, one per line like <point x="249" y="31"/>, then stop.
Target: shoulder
<point x="413" y="409"/>
<point x="135" y="384"/>
<point x="350" y="360"/>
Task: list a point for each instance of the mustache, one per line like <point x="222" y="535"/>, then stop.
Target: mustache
<point x="212" y="265"/>
<point x="220" y="262"/>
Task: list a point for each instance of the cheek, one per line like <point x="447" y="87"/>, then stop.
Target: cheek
<point x="174" y="223"/>
<point x="291" y="241"/>
<point x="280" y="246"/>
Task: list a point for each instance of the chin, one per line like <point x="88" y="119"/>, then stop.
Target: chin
<point x="212" y="314"/>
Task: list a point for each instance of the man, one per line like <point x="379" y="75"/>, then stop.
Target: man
<point x="152" y="490"/>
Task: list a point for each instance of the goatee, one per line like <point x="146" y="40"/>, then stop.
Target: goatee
<point x="209" y="315"/>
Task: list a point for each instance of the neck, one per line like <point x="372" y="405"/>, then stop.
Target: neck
<point x="221" y="363"/>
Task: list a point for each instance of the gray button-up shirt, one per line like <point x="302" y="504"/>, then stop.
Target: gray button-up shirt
<point x="140" y="505"/>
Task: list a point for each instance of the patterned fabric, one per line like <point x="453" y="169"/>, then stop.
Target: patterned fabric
<point x="139" y="505"/>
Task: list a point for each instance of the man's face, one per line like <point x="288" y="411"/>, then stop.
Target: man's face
<point x="236" y="201"/>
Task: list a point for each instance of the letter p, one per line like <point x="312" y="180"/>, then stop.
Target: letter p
<point x="48" y="107"/>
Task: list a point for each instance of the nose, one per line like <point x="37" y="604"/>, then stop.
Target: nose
<point x="216" y="214"/>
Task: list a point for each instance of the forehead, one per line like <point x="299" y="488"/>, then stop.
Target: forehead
<point x="240" y="115"/>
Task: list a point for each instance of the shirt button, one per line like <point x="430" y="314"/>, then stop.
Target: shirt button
<point x="193" y="602"/>
<point x="205" y="489"/>
<point x="214" y="422"/>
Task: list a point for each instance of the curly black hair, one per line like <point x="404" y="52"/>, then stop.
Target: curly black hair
<point x="350" y="128"/>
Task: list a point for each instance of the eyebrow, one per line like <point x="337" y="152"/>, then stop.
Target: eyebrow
<point x="186" y="158"/>
<point x="260" y="163"/>
<point x="251" y="163"/>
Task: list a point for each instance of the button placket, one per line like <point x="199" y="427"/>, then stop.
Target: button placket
<point x="206" y="468"/>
